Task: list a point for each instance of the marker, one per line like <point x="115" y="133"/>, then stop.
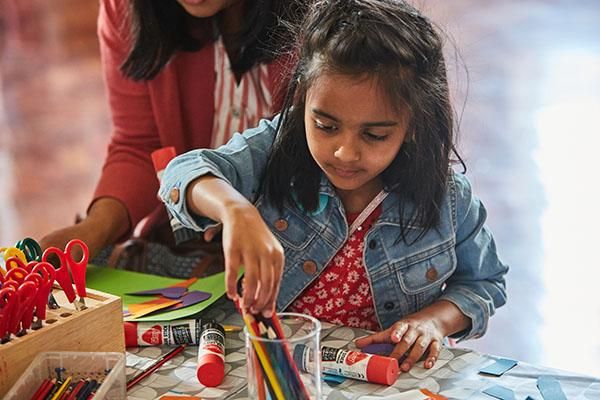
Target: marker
<point x="350" y="364"/>
<point x="211" y="355"/>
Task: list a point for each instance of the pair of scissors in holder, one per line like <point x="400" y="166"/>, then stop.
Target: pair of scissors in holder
<point x="7" y="306"/>
<point x="18" y="306"/>
<point x="43" y="273"/>
<point x="8" y="252"/>
<point x="67" y="265"/>
<point x="31" y="249"/>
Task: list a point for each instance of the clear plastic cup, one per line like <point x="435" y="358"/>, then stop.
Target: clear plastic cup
<point x="271" y="365"/>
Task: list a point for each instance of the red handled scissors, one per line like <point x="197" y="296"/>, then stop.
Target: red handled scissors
<point x="7" y="305"/>
<point x="47" y="272"/>
<point x="69" y="266"/>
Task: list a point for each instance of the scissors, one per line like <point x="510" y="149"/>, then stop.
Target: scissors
<point x="16" y="262"/>
<point x="47" y="272"/>
<point x="31" y="249"/>
<point x="7" y="304"/>
<point x="30" y="302"/>
<point x="16" y="274"/>
<point x="12" y="252"/>
<point x="67" y="264"/>
<point x="24" y="295"/>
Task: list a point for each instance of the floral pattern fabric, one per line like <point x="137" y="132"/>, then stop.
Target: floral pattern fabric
<point x="342" y="295"/>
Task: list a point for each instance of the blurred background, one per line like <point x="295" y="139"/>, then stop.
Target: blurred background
<point x="526" y="83"/>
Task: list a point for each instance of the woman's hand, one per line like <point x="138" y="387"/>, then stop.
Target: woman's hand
<point x="106" y="221"/>
<point x="412" y="336"/>
<point x="248" y="241"/>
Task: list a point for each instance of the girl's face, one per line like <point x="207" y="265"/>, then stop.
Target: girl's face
<point x="353" y="133"/>
<point x="205" y="8"/>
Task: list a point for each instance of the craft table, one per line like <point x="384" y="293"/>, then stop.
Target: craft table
<point x="455" y="375"/>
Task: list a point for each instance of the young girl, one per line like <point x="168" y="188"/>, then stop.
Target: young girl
<point x="353" y="185"/>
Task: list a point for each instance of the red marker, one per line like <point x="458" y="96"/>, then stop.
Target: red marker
<point x="350" y="364"/>
<point x="211" y="355"/>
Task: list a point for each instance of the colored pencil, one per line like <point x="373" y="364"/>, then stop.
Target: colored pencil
<point x="276" y="363"/>
<point x="61" y="389"/>
<point x="143" y="374"/>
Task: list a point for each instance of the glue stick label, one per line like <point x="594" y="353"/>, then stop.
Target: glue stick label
<point x="212" y="342"/>
<point x="211" y="355"/>
<point x="350" y="364"/>
<point x="159" y="333"/>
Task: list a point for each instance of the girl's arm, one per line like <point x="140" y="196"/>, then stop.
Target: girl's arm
<point x="247" y="241"/>
<point x="204" y="187"/>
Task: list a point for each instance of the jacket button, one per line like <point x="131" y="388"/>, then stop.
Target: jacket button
<point x="281" y="225"/>
<point x="431" y="274"/>
<point x="388" y="305"/>
<point x="310" y="267"/>
<point x="174" y="195"/>
<point x="372" y="244"/>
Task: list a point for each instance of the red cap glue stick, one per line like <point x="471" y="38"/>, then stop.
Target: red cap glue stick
<point x="173" y="333"/>
<point x="211" y="355"/>
<point x="160" y="159"/>
<point x="350" y="364"/>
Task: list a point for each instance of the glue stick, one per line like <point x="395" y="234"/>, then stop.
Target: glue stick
<point x="173" y="333"/>
<point x="160" y="159"/>
<point x="211" y="355"/>
<point x="350" y="364"/>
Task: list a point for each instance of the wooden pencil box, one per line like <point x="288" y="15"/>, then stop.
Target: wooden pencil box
<point x="98" y="328"/>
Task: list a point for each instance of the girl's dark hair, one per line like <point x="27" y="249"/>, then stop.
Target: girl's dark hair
<point x="392" y="42"/>
<point x="159" y="28"/>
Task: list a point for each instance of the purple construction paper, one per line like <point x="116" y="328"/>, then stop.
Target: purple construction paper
<point x="174" y="293"/>
<point x="193" y="297"/>
<point x="382" y="349"/>
<point x="189" y="299"/>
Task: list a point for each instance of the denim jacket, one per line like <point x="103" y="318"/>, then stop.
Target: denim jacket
<point x="456" y="262"/>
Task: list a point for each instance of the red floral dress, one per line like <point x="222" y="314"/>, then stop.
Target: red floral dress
<point x="342" y="294"/>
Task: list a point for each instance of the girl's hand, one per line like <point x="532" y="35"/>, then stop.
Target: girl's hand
<point x="415" y="334"/>
<point x="248" y="241"/>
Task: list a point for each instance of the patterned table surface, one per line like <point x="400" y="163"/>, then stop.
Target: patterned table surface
<point x="454" y="376"/>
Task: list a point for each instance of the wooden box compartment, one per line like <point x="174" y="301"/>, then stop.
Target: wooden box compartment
<point x="98" y="328"/>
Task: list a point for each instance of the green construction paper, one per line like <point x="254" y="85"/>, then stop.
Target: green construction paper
<point x="119" y="282"/>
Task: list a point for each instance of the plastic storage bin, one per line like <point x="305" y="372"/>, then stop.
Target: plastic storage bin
<point x="106" y="367"/>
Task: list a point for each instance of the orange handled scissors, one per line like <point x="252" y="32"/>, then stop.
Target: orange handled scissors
<point x="69" y="266"/>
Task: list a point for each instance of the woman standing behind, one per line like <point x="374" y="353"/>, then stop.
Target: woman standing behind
<point x="187" y="74"/>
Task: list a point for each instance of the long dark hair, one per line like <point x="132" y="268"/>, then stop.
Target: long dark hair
<point x="391" y="41"/>
<point x="159" y="28"/>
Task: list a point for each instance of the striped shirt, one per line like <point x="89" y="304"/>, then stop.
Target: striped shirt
<point x="238" y="106"/>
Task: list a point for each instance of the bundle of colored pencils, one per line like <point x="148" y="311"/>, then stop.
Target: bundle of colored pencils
<point x="274" y="364"/>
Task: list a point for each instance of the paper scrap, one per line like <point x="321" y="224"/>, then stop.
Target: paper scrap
<point x="147" y="307"/>
<point x="550" y="388"/>
<point x="120" y="282"/>
<point x="500" y="392"/>
<point x="499" y="367"/>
